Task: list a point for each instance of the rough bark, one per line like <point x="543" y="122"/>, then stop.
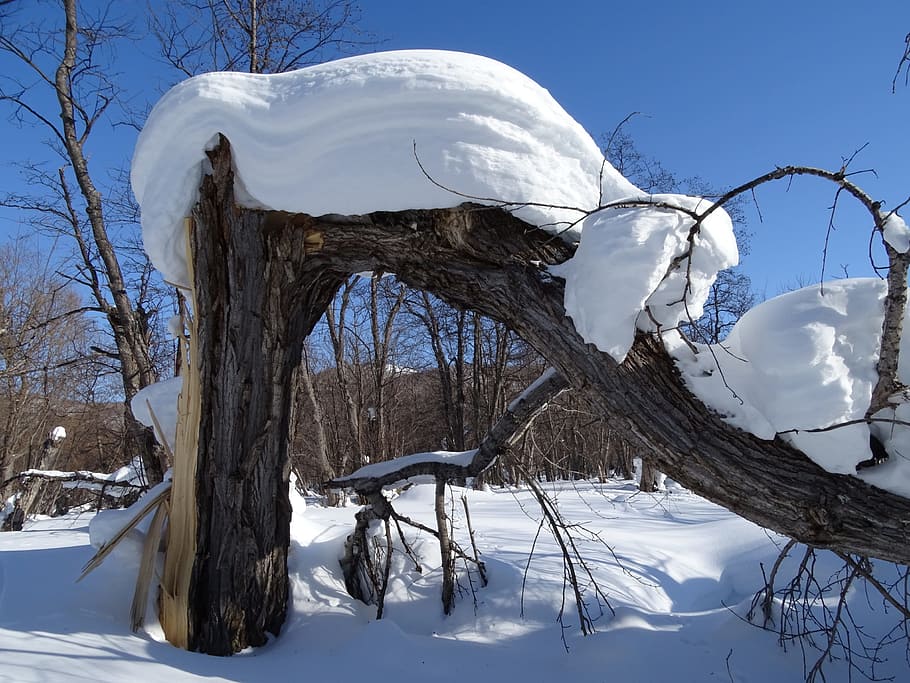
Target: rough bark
<point x="252" y="319"/>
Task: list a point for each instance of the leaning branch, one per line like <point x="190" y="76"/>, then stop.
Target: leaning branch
<point x="90" y="478"/>
<point x="366" y="578"/>
<point x="457" y="466"/>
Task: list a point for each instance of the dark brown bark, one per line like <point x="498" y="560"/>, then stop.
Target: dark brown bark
<point x="252" y="319"/>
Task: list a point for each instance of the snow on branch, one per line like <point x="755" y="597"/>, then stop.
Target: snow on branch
<point x="449" y="466"/>
<point x="91" y="480"/>
<point x="896" y="240"/>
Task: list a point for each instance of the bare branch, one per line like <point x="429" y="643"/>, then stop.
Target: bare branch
<point x="902" y="65"/>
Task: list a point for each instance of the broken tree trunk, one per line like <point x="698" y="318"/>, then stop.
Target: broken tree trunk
<point x="265" y="277"/>
<point x="251" y="320"/>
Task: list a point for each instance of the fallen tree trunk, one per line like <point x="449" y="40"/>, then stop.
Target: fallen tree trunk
<point x="264" y="278"/>
<point x="484" y="259"/>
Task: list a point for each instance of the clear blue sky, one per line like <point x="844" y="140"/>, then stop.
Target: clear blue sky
<point x="728" y="90"/>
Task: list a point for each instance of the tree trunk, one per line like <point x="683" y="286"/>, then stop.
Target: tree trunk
<point x="447" y="557"/>
<point x="41" y="495"/>
<point x="322" y="464"/>
<point x="136" y="367"/>
<point x="251" y="325"/>
<point x="648" y="480"/>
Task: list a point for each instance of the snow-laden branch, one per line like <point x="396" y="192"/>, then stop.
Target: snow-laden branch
<point x="92" y="480"/>
<point x="366" y="581"/>
<point x="456" y="466"/>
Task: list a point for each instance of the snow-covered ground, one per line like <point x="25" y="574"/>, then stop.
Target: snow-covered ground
<point x="684" y="571"/>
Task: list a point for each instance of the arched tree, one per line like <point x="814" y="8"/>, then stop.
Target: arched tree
<point x="480" y="258"/>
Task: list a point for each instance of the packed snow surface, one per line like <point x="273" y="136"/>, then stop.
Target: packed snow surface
<point x="341" y="137"/>
<point x="680" y="573"/>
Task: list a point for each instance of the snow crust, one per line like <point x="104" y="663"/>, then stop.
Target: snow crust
<point x="806" y="360"/>
<point x="629" y="272"/>
<point x="340" y="138"/>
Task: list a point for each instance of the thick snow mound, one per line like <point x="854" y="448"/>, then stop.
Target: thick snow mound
<point x="340" y="138"/>
<point x="631" y="268"/>
<point x="806" y="360"/>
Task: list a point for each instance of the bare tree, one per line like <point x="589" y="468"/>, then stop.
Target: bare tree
<point x="903" y="65"/>
<point x="43" y="348"/>
<point x="446" y="331"/>
<point x="69" y="69"/>
<point x="256" y="36"/>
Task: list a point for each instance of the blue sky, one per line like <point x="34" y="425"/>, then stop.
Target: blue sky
<point x="727" y="91"/>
